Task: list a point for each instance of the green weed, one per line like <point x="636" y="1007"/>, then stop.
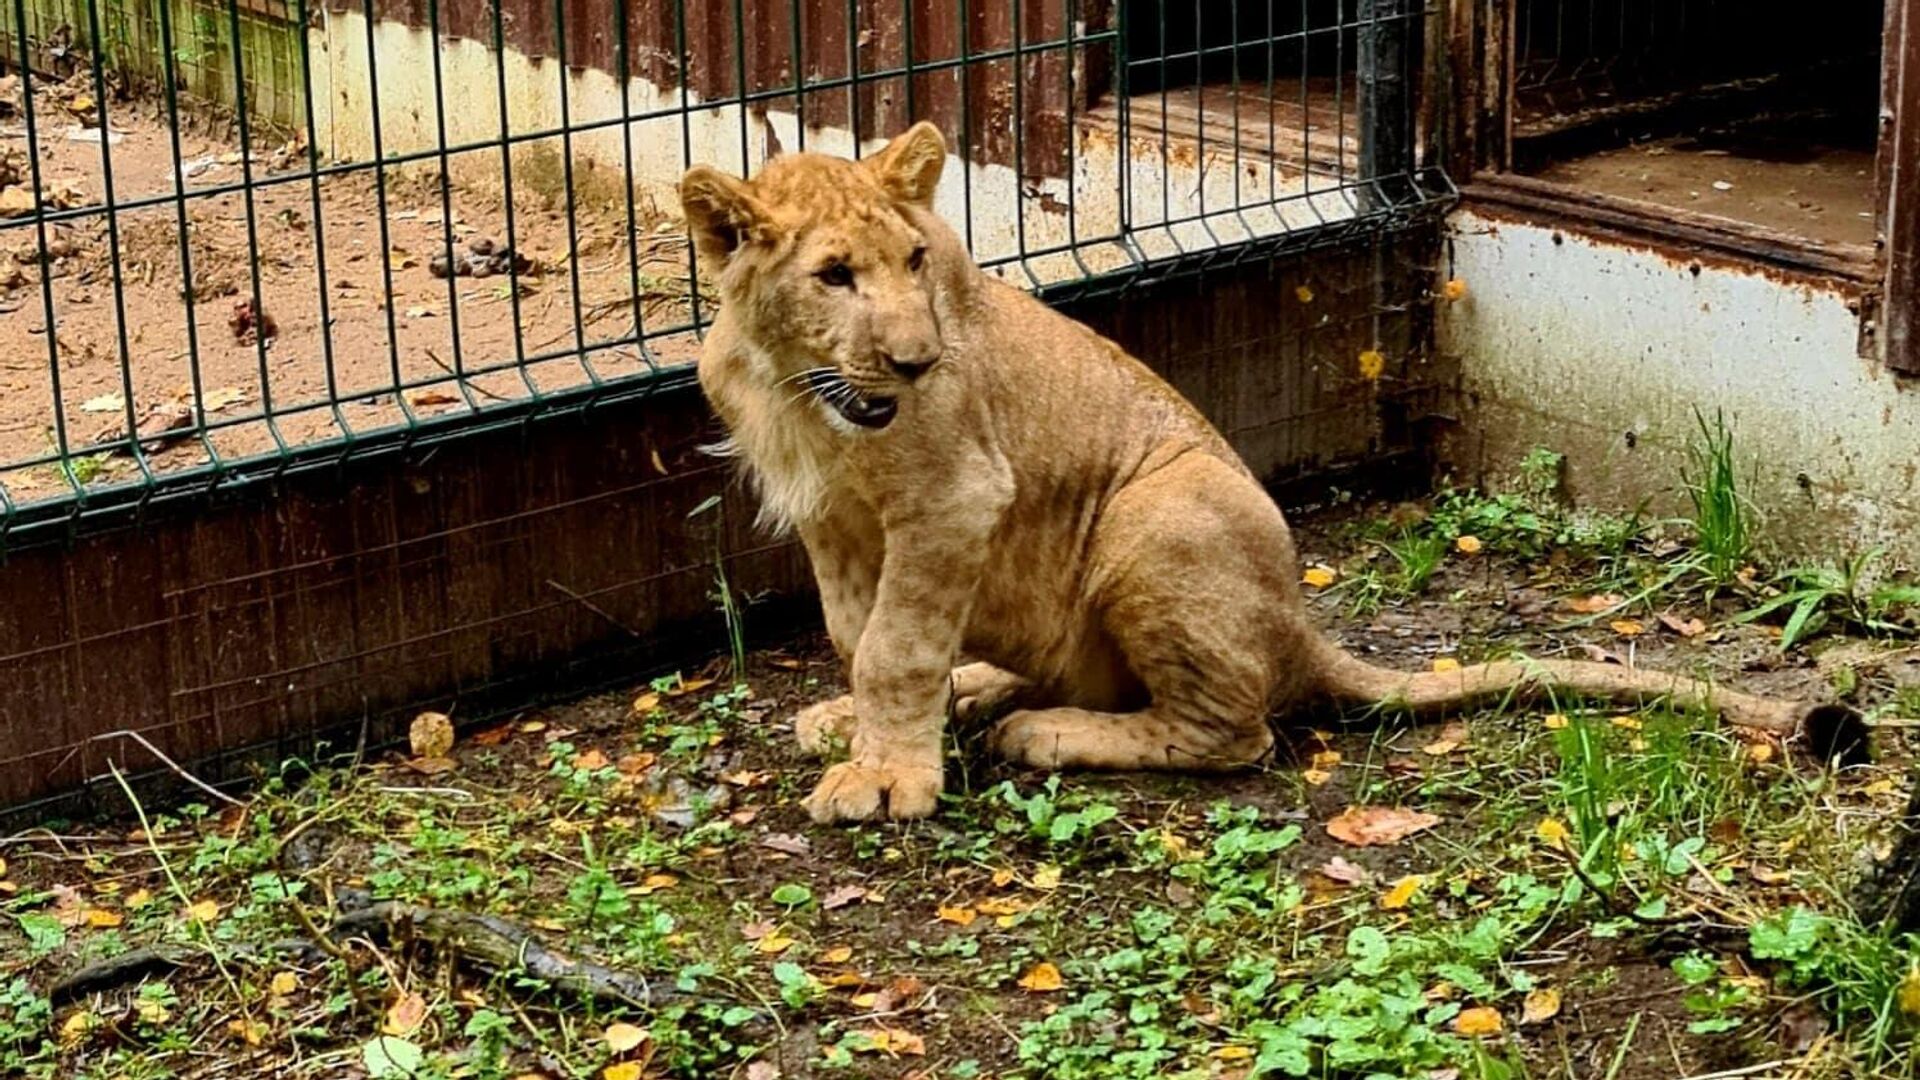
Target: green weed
<point x="1722" y="519"/>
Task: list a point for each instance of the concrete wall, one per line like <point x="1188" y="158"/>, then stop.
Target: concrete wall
<point x="1601" y="349"/>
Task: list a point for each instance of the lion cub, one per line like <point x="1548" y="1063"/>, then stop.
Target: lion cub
<point x="973" y="473"/>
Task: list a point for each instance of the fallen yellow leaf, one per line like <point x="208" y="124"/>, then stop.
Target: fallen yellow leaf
<point x="284" y="983"/>
<point x="839" y="954"/>
<point x="1042" y="978"/>
<point x="251" y="1032"/>
<point x="1047" y="878"/>
<point x="1468" y="545"/>
<point x="1234" y="1053"/>
<point x="102" y="919"/>
<point x="1002" y="877"/>
<point x="1000" y="905"/>
<point x="1478" y="1022"/>
<point x="1445" y="663"/>
<point x="1316" y="777"/>
<point x="625" y="1070"/>
<point x="1628" y="627"/>
<point x="892" y="1041"/>
<point x="1454" y="290"/>
<point x="1627" y="723"/>
<point x="203" y="912"/>
<point x="958" y="916"/>
<point x="646" y="702"/>
<point x="1909" y="994"/>
<point x="623" y="1037"/>
<point x="653" y="883"/>
<point x="1554" y="722"/>
<point x="1303" y="293"/>
<point x="590" y="761"/>
<point x="1372" y="365"/>
<point x="1402" y="893"/>
<point x="774" y="943"/>
<point x="1552" y="832"/>
<point x="76" y="1028"/>
<point x="1318" y="576"/>
<point x="1541" y="1006"/>
<point x="1326" y="759"/>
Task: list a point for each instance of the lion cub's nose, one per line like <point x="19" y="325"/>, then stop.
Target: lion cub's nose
<point x="911" y="369"/>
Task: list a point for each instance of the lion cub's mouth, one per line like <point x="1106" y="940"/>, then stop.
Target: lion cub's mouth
<point x="854" y="407"/>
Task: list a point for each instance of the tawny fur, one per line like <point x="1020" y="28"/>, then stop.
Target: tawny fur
<point x="1041" y="503"/>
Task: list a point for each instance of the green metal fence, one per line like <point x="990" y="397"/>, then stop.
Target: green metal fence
<point x="241" y="238"/>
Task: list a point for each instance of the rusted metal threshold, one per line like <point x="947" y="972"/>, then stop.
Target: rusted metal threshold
<point x="1667" y="228"/>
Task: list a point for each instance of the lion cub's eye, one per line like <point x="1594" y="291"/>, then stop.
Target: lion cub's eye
<point x="916" y="260"/>
<point x="839" y="275"/>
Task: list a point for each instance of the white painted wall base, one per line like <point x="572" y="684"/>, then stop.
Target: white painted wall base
<point x="1602" y="350"/>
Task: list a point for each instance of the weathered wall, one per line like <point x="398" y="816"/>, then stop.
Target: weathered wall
<point x="1601" y="349"/>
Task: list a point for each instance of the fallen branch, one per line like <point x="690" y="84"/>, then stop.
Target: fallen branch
<point x="494" y="943"/>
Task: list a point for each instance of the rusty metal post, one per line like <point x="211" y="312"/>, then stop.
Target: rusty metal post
<point x="1386" y="96"/>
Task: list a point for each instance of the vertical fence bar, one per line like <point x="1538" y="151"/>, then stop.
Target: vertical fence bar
<point x="1386" y="103"/>
<point x="253" y="236"/>
<point x="60" y="440"/>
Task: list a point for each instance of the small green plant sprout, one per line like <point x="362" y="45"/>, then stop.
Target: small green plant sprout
<point x="1813" y="595"/>
<point x="1722" y="518"/>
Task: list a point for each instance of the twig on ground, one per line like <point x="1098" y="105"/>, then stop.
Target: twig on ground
<point x="183" y="774"/>
<point x="464" y="380"/>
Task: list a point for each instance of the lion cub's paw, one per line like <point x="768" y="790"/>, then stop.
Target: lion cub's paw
<point x="851" y="791"/>
<point x="824" y="725"/>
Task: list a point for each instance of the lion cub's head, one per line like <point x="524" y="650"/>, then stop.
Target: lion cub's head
<point x="825" y="264"/>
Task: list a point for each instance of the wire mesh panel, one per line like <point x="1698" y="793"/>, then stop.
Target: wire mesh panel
<point x="247" y="236"/>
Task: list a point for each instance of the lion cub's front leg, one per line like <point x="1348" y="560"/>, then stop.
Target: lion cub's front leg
<point x="902" y="674"/>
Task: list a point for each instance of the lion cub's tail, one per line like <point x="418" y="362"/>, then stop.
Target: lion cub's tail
<point x="1829" y="730"/>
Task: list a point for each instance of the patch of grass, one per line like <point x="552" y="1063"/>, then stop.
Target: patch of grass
<point x="1813" y="595"/>
<point x="1722" y="518"/>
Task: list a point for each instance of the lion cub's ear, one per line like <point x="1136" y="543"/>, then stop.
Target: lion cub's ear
<point x="721" y="213"/>
<point x="909" y="168"/>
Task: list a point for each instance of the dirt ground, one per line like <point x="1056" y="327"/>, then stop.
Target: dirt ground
<point x="1077" y="928"/>
<point x="390" y="319"/>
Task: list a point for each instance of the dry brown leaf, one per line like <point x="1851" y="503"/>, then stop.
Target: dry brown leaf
<point x="1452" y="737"/>
<point x="1478" y="1022"/>
<point x="431" y="766"/>
<point x="690" y="686"/>
<point x="431" y="735"/>
<point x="1595" y="604"/>
<point x="839" y="954"/>
<point x="493" y="736"/>
<point x="1468" y="545"/>
<point x="1042" y="978"/>
<point x="1340" y="870"/>
<point x="1541" y="1006"/>
<point x="405" y="1015"/>
<point x="1365" y="826"/>
<point x="892" y="1041"/>
<point x="421" y="399"/>
<point x="842" y="896"/>
<point x="590" y="760"/>
<point x="1688" y="628"/>
<point x="787" y="843"/>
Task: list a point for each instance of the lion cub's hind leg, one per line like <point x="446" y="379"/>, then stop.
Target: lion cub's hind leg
<point x="983" y="691"/>
<point x="824" y="726"/>
<point x="980" y="691"/>
<point x="1193" y="562"/>
<point x="1152" y="738"/>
